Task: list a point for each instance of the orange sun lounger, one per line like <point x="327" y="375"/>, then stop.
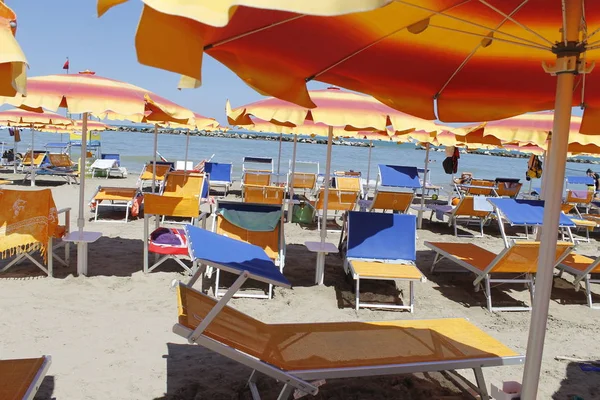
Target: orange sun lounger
<point x="128" y="198"/>
<point x="22" y="378"/>
<point x="463" y="211"/>
<point x="520" y="259"/>
<point x="582" y="268"/>
<point x="264" y="194"/>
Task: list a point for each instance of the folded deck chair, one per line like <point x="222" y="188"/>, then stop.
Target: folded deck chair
<point x="520" y="259"/>
<point x="465" y="210"/>
<point x="264" y="194"/>
<point x="169" y="243"/>
<point x="219" y="175"/>
<point x="58" y="164"/>
<point x="582" y="268"/>
<point x="257" y="224"/>
<point x="339" y="201"/>
<point x="382" y="246"/>
<point x="526" y="213"/>
<point x="395" y="188"/>
<point x="162" y="168"/>
<point x="29" y="222"/>
<point x="22" y="378"/>
<point x="508" y="187"/>
<point x="129" y="199"/>
<point x="299" y="353"/>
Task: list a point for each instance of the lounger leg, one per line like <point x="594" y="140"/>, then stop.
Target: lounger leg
<point x="127" y="213"/>
<point x="481" y="384"/>
<point x="455" y="227"/>
<point x="217" y="276"/>
<point x="481" y="221"/>
<point x="252" y="385"/>
<point x="286" y="392"/>
<point x="17" y="259"/>
<point x="96" y="213"/>
<point x="50" y="257"/>
<point x="488" y="292"/>
<point x="146" y="238"/>
<point x="412" y="296"/>
<point x="67" y="253"/>
<point x="357" y="294"/>
<point x="435" y="261"/>
<point x="588" y="289"/>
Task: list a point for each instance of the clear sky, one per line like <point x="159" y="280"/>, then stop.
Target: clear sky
<point x="51" y="31"/>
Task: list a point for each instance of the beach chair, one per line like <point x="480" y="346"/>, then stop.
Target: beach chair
<point x="58" y="164"/>
<point x="525" y="213"/>
<point x="162" y="168"/>
<point x="34" y="159"/>
<point x="520" y="259"/>
<point x="129" y="199"/>
<point x="257" y="224"/>
<point x="477" y="187"/>
<point x="338" y="201"/>
<point x="188" y="189"/>
<point x="219" y="175"/>
<point x="382" y="246"/>
<point x="348" y="184"/>
<point x="395" y="188"/>
<point x="582" y="268"/>
<point x="508" y="187"/>
<point x="30" y="223"/>
<point x="264" y="194"/>
<point x="426" y="182"/>
<point x="465" y="210"/>
<point x="256" y="171"/>
<point x="299" y="354"/>
<point x="110" y="164"/>
<point x="22" y="378"/>
<point x="303" y="181"/>
<point x="579" y="198"/>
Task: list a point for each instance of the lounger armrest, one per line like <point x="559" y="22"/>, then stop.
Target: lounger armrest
<point x="67" y="212"/>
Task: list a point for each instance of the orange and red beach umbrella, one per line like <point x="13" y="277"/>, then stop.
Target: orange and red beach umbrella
<point x="13" y="64"/>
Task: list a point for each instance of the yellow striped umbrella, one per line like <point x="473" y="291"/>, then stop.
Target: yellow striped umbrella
<point x="13" y="65"/>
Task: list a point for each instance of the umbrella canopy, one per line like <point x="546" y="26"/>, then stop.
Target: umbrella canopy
<point x="13" y="65"/>
<point x="99" y="96"/>
<point x="24" y="118"/>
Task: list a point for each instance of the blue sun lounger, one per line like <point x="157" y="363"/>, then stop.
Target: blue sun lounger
<point x="382" y="246"/>
<point x="220" y="175"/>
<point x="520" y="212"/>
<point x="298" y="354"/>
<point x="395" y="188"/>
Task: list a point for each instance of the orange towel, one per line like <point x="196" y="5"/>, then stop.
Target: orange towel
<point x="27" y="220"/>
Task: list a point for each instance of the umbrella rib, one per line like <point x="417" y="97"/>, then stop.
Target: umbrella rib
<point x="538" y="47"/>
<point x="257" y="30"/>
<point x="485" y="3"/>
<point x="443" y="13"/>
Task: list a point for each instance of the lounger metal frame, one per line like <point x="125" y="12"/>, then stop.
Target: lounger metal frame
<point x="585" y="276"/>
<point x="49" y="269"/>
<point x="298" y="381"/>
<point x="485" y="275"/>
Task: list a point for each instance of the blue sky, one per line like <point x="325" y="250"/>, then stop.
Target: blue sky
<point x="49" y="32"/>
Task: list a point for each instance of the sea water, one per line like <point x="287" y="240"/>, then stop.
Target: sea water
<point x="135" y="149"/>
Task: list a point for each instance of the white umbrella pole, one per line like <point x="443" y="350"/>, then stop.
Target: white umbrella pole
<point x="15" y="151"/>
<point x="187" y="147"/>
<point x="32" y="167"/>
<point x="555" y="172"/>
<point x="321" y="255"/>
<point x="369" y="168"/>
<point x="279" y="157"/>
<point x="154" y="159"/>
<point x="420" y="222"/>
<point x="291" y="182"/>
<point x="82" y="158"/>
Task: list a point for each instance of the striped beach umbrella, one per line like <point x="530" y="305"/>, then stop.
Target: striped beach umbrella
<point x="457" y="60"/>
<point x="13" y="64"/>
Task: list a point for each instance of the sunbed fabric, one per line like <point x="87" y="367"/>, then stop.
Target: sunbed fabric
<point x="381" y="236"/>
<point x="232" y="254"/>
<point x="526" y="212"/>
<point x="303" y="180"/>
<point x="399" y="176"/>
<point x="376" y="269"/>
<point x="252" y="221"/>
<point x="60" y="160"/>
<point x="218" y="172"/>
<point x="27" y="220"/>
<point x="111" y="156"/>
<point x="580" y="263"/>
<point x="185" y="207"/>
<point x="397" y="201"/>
<point x="264" y="194"/>
<point x="161" y="171"/>
<point x="580" y="180"/>
<point x="17" y="376"/>
<point x="340" y="344"/>
<point x="116" y="193"/>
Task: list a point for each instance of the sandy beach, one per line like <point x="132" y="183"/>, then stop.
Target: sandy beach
<point x="109" y="334"/>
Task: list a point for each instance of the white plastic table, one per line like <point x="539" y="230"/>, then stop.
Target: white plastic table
<point x="82" y="239"/>
<point x="322" y="249"/>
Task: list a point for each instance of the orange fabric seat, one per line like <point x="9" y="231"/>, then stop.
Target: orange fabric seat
<point x="21" y="377"/>
<point x="264" y="194"/>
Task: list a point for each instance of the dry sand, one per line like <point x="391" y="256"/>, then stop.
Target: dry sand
<point x="110" y="333"/>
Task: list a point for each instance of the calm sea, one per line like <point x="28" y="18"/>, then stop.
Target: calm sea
<point x="136" y="149"/>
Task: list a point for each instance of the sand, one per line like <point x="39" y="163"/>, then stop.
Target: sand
<point x="110" y="336"/>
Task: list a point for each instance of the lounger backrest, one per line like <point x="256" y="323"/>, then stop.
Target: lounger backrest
<point x="184" y="207"/>
<point x="339" y="200"/>
<point x="382" y="236"/>
<point x="184" y="184"/>
<point x="38" y="158"/>
<point x="18" y="377"/>
<point x="264" y="194"/>
<point x="466" y="208"/>
<point x="481" y="191"/>
<point x="257" y="177"/>
<point x="269" y="241"/>
<point x="399" y="176"/>
<point x="220" y="172"/>
<point x="522" y="257"/>
<point x="303" y="180"/>
<point x="508" y="189"/>
<point x="60" y="160"/>
<point x="161" y="171"/>
<point x="110" y="156"/>
<point x="580" y="196"/>
<point x="584" y="265"/>
<point x="396" y="201"/>
<point x="348" y="184"/>
<point x="580" y="180"/>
